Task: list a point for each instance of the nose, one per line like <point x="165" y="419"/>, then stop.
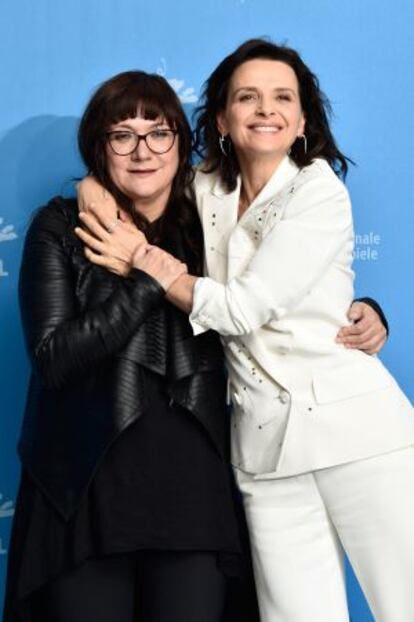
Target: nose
<point x="265" y="106"/>
<point x="141" y="151"/>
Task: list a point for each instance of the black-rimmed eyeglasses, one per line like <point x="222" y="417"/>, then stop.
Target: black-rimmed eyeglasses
<point x="125" y="142"/>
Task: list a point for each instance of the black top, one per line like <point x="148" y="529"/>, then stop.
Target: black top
<point x="89" y="333"/>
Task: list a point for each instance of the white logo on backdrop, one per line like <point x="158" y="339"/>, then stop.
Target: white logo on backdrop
<point x="6" y="508"/>
<point x="367" y="246"/>
<point x="7" y="233"/>
<point x="6" y="511"/>
<point x="186" y="94"/>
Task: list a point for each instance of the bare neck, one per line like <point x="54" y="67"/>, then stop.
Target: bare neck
<point x="255" y="173"/>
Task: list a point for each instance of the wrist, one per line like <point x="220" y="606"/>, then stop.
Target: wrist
<point x="139" y="252"/>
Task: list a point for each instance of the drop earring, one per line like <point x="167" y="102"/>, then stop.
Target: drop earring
<point x="222" y="141"/>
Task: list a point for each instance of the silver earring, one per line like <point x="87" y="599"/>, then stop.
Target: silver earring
<point x="222" y="140"/>
<point x="305" y="143"/>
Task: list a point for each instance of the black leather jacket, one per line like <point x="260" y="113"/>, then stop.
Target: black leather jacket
<point x="89" y="333"/>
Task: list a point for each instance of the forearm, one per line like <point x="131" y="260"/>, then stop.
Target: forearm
<point x="181" y="292"/>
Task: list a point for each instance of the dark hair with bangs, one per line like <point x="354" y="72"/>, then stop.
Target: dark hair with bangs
<point x="315" y="105"/>
<point x="126" y="96"/>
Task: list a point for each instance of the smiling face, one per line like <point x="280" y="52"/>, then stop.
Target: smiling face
<point x="145" y="177"/>
<point x="263" y="114"/>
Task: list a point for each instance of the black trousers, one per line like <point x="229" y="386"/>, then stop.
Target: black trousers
<point x="149" y="587"/>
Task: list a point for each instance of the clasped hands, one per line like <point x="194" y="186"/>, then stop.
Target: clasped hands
<point x="118" y="245"/>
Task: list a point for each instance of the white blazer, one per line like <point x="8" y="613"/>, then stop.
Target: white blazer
<point x="280" y="284"/>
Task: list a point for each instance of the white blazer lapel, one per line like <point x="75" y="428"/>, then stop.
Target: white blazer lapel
<point x="242" y="245"/>
<point x="227" y="244"/>
<point x="219" y="217"/>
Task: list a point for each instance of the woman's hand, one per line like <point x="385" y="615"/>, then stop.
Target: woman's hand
<point x="366" y="333"/>
<point x="162" y="266"/>
<point x="92" y="194"/>
<point x="110" y="243"/>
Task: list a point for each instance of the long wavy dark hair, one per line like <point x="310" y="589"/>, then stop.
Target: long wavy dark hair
<point x="122" y="97"/>
<point x="315" y="105"/>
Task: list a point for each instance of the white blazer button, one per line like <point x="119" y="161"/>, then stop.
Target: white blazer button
<point x="284" y="397"/>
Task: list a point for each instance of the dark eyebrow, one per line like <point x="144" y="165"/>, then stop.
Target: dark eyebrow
<point x="253" y="89"/>
<point x="285" y="88"/>
<point x="124" y="126"/>
<point x="161" y="124"/>
<point x="245" y="88"/>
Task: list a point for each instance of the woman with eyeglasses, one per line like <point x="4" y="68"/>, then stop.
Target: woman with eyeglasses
<point x="125" y="510"/>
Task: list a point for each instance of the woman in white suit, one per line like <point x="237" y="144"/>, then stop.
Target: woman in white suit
<point x="322" y="437"/>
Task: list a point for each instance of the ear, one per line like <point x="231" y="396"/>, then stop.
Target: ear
<point x="222" y="123"/>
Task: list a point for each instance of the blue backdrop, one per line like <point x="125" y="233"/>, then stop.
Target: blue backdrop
<point x="54" y="53"/>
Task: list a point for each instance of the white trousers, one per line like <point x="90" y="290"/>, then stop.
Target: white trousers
<point x="299" y="527"/>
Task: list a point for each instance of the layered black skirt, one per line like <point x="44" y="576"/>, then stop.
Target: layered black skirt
<point x="161" y="486"/>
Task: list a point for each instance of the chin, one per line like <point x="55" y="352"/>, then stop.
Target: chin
<point x="266" y="151"/>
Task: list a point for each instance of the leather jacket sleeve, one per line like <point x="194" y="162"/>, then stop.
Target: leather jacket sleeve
<point x="65" y="342"/>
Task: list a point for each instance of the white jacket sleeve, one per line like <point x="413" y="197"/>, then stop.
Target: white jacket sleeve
<point x="317" y="223"/>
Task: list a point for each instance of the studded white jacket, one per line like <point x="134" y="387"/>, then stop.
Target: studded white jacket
<point x="278" y="289"/>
